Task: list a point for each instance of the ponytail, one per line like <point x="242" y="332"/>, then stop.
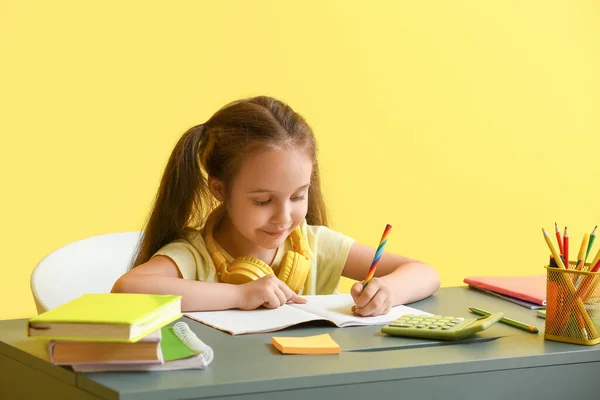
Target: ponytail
<point x="182" y="193"/>
<point x="317" y="212"/>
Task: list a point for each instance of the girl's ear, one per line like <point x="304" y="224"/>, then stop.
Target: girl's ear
<point x="216" y="188"/>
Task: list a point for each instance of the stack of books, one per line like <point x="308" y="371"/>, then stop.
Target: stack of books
<point x="120" y="332"/>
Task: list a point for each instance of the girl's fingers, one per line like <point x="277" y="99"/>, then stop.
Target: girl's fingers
<point x="367" y="294"/>
<point x="272" y="301"/>
<point x="290" y="295"/>
<point x="356" y="290"/>
<point x="298" y="299"/>
<point x="379" y="304"/>
<point x="280" y="296"/>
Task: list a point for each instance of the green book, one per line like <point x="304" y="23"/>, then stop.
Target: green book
<point x="541" y="313"/>
<point x="107" y="317"/>
<point x="177" y="343"/>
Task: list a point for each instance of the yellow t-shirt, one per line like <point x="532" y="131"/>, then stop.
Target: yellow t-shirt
<point x="329" y="251"/>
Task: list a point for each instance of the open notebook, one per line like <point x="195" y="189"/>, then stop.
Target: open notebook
<point x="336" y="308"/>
<point x="180" y="348"/>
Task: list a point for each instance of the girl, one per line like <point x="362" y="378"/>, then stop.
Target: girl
<point x="239" y="222"/>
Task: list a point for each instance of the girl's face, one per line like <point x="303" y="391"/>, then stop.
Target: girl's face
<point x="268" y="198"/>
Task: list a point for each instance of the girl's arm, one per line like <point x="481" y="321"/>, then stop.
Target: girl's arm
<point x="160" y="275"/>
<point x="400" y="279"/>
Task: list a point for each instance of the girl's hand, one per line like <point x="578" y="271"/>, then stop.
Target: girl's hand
<point x="376" y="299"/>
<point x="269" y="292"/>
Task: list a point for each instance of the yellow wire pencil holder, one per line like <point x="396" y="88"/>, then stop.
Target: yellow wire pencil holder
<point x="572" y="305"/>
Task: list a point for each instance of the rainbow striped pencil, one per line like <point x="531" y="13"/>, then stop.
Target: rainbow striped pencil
<point x="378" y="254"/>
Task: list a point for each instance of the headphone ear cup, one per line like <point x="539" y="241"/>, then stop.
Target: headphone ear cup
<point x="247" y="269"/>
<point x="293" y="270"/>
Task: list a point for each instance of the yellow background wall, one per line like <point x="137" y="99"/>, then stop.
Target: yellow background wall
<point x="468" y="126"/>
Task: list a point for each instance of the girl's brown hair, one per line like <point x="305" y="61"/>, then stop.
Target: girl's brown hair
<point x="218" y="148"/>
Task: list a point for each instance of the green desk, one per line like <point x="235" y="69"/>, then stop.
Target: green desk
<point x="501" y="363"/>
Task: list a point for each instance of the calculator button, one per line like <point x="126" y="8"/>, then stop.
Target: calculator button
<point x="437" y="316"/>
<point x="421" y="326"/>
<point x="403" y="325"/>
<point x="459" y="319"/>
<point x="446" y="327"/>
<point x="439" y="324"/>
<point x="433" y="327"/>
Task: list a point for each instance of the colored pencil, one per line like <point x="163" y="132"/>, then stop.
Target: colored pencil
<point x="556" y="256"/>
<point x="589" y="246"/>
<point x="558" y="239"/>
<point x="378" y="255"/>
<point x="582" y="248"/>
<point x="507" y="321"/>
<point x="596" y="259"/>
<point x="566" y="247"/>
<point x="596" y="267"/>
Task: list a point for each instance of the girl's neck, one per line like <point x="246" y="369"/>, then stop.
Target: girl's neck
<point x="232" y="241"/>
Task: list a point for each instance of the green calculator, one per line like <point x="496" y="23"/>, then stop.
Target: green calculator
<point x="439" y="327"/>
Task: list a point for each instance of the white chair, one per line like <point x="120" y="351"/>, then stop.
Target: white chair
<point x="89" y="265"/>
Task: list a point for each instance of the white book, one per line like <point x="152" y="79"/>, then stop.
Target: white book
<point x="336" y="308"/>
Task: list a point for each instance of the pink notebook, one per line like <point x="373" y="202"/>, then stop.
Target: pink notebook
<point x="531" y="288"/>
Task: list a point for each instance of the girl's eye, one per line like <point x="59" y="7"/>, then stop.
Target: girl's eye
<point x="298" y="198"/>
<point x="262" y="203"/>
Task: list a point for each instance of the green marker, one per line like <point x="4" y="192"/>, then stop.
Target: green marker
<point x="507" y="321"/>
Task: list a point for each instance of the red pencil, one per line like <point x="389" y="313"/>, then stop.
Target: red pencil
<point x="560" y="242"/>
<point x="566" y="248"/>
<point x="596" y="267"/>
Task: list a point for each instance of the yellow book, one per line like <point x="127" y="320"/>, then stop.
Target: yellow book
<point x="110" y="317"/>
<point x="319" y="344"/>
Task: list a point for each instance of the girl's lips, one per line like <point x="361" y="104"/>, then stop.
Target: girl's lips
<point x="275" y="234"/>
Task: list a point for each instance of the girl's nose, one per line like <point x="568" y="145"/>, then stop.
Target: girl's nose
<point x="282" y="216"/>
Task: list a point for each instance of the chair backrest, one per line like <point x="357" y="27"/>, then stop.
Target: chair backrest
<point x="89" y="265"/>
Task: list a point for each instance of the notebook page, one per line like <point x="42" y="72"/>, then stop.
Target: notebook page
<point x="337" y="308"/>
<point x="239" y="322"/>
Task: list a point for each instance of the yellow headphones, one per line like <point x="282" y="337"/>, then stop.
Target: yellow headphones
<point x="293" y="269"/>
